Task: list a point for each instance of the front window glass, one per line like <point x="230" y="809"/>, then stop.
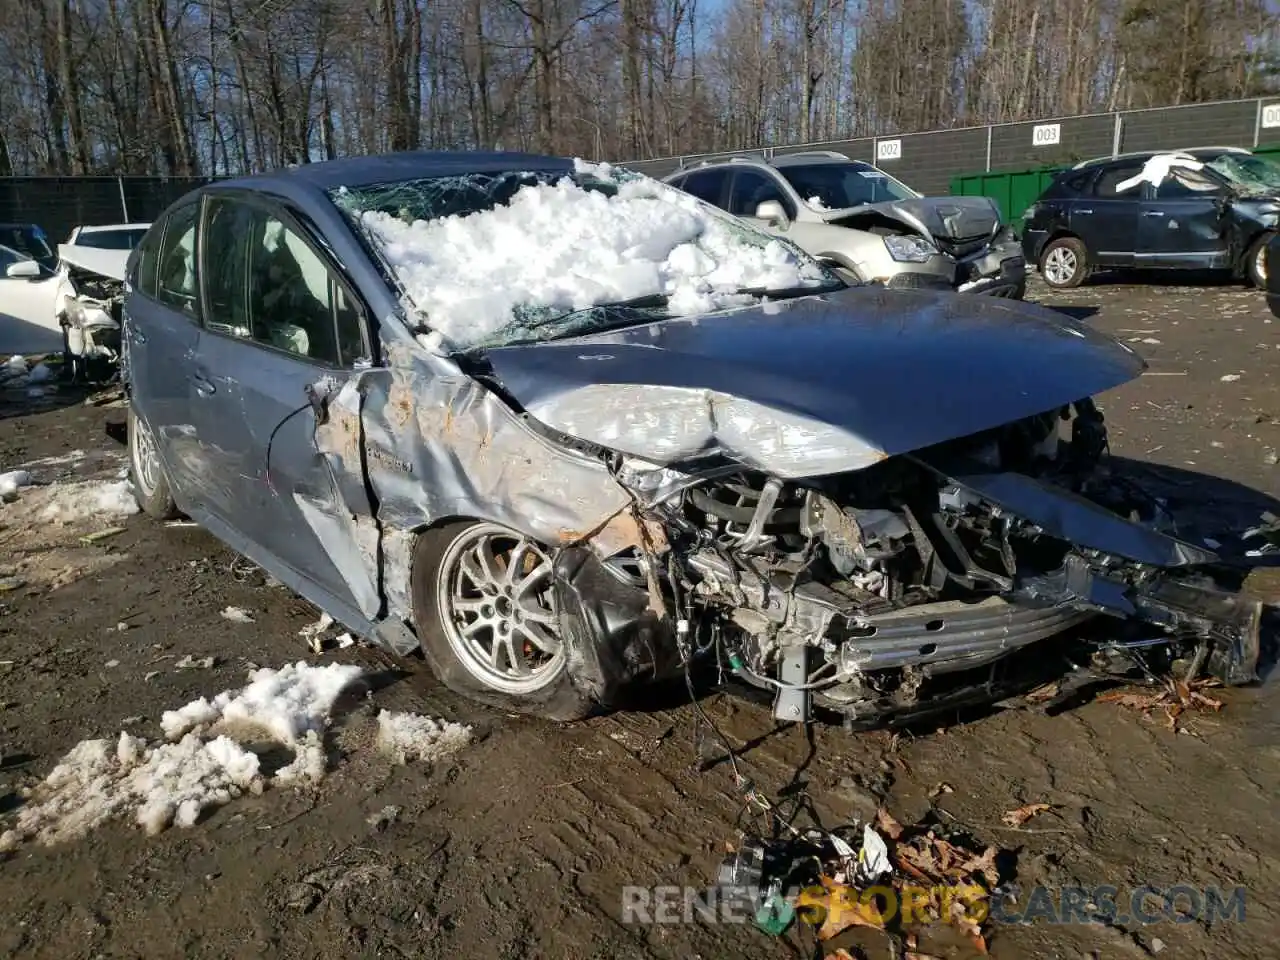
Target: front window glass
<point x="836" y="186"/>
<point x="31" y="241"/>
<point x="525" y="256"/>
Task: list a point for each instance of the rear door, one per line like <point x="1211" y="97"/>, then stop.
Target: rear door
<point x="1107" y="220"/>
<point x="283" y="331"/>
<point x="1181" y="223"/>
<point x="161" y="331"/>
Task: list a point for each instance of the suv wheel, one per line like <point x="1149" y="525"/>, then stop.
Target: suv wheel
<point x="1063" y="262"/>
<point x="485" y="611"/>
<point x="1255" y="261"/>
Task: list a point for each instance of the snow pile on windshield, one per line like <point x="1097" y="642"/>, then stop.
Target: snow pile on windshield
<point x="1155" y="170"/>
<point x="556" y="248"/>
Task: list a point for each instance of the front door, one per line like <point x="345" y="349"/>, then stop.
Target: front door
<point x="28" y="321"/>
<point x="1107" y="221"/>
<point x="280" y="328"/>
<point x="753" y="187"/>
<point x="1181" y="224"/>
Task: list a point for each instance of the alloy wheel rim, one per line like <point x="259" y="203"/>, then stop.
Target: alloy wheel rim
<point x="1060" y="265"/>
<point x="497" y="605"/>
<point x="146" y="461"/>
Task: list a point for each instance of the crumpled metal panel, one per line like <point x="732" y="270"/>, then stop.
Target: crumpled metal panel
<point x="814" y="385"/>
<point x="439" y="445"/>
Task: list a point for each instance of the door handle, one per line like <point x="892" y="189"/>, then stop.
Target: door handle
<point x="1153" y="213"/>
<point x="204" y="386"/>
<point x="1084" y="211"/>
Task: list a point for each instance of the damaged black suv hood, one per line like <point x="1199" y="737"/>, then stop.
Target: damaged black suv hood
<point x="816" y="385"/>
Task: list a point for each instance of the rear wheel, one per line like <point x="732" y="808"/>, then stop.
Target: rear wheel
<point x="146" y="472"/>
<point x="485" y="610"/>
<point x="1255" y="261"/>
<point x="1063" y="262"/>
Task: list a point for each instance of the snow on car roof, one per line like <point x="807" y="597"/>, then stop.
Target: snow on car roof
<point x="566" y="244"/>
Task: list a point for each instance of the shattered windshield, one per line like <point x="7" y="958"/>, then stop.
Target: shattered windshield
<point x="834" y="186"/>
<point x="498" y="258"/>
<point x="1249" y="173"/>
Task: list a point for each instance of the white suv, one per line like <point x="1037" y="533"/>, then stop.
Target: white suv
<point x="867" y="225"/>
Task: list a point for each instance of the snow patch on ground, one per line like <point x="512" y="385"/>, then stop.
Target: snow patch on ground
<point x="72" y="502"/>
<point x="164" y="784"/>
<point x="562" y="248"/>
<point x="408" y="736"/>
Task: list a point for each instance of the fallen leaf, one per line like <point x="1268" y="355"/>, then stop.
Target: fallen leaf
<point x="1045" y="691"/>
<point x="940" y="789"/>
<point x="890" y="827"/>
<point x="984" y="864"/>
<point x="1016" y="818"/>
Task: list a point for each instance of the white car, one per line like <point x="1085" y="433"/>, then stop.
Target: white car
<point x="69" y="301"/>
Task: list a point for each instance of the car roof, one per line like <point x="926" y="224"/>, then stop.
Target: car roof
<point x="389" y="167"/>
<point x="1148" y="154"/>
<point x="803" y="158"/>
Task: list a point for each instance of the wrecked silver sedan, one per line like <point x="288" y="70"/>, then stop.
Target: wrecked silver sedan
<point x="567" y="432"/>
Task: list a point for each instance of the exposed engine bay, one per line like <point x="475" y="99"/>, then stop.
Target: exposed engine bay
<point x="903" y="587"/>
<point x="91" y="312"/>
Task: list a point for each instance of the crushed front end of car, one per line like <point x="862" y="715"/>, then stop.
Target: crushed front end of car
<point x="91" y="306"/>
<point x="856" y="562"/>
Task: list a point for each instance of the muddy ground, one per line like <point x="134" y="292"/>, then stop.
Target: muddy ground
<point x="521" y="844"/>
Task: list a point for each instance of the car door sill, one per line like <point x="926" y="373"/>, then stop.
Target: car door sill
<point x="299" y="583"/>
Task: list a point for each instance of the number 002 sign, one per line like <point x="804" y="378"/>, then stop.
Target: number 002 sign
<point x="889" y="150"/>
<point x="1046" y="134"/>
<point x="1271" y="115"/>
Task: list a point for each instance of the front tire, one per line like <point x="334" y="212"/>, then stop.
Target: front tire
<point x="1255" y="262"/>
<point x="1064" y="263"/>
<point x="485" y="611"/>
<point x="146" y="472"/>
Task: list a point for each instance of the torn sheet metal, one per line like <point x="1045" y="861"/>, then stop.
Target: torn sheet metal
<point x="816" y="385"/>
<point x="440" y="445"/>
<point x="1080" y="522"/>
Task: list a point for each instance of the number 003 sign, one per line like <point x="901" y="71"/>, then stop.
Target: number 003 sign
<point x="1046" y="134"/>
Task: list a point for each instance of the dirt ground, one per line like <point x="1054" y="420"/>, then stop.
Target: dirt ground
<point x="520" y="845"/>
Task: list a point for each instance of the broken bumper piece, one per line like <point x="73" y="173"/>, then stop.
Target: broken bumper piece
<point x="1227" y="624"/>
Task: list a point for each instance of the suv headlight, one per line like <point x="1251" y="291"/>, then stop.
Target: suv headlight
<point x="910" y="249"/>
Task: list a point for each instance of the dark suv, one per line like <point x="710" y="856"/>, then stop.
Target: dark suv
<point x="1208" y="208"/>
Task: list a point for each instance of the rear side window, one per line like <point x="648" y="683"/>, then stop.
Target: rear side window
<point x="110" y="239"/>
<point x="177" y="283"/>
<point x="1105" y="186"/>
<point x="706" y="185"/>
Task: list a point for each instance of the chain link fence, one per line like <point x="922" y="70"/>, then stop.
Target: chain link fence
<point x="925" y="161"/>
<point x="928" y="161"/>
<point x="59" y="204"/>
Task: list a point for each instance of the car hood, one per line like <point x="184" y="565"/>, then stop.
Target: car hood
<point x="946" y="218"/>
<point x="816" y="385"/>
<point x="108" y="263"/>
